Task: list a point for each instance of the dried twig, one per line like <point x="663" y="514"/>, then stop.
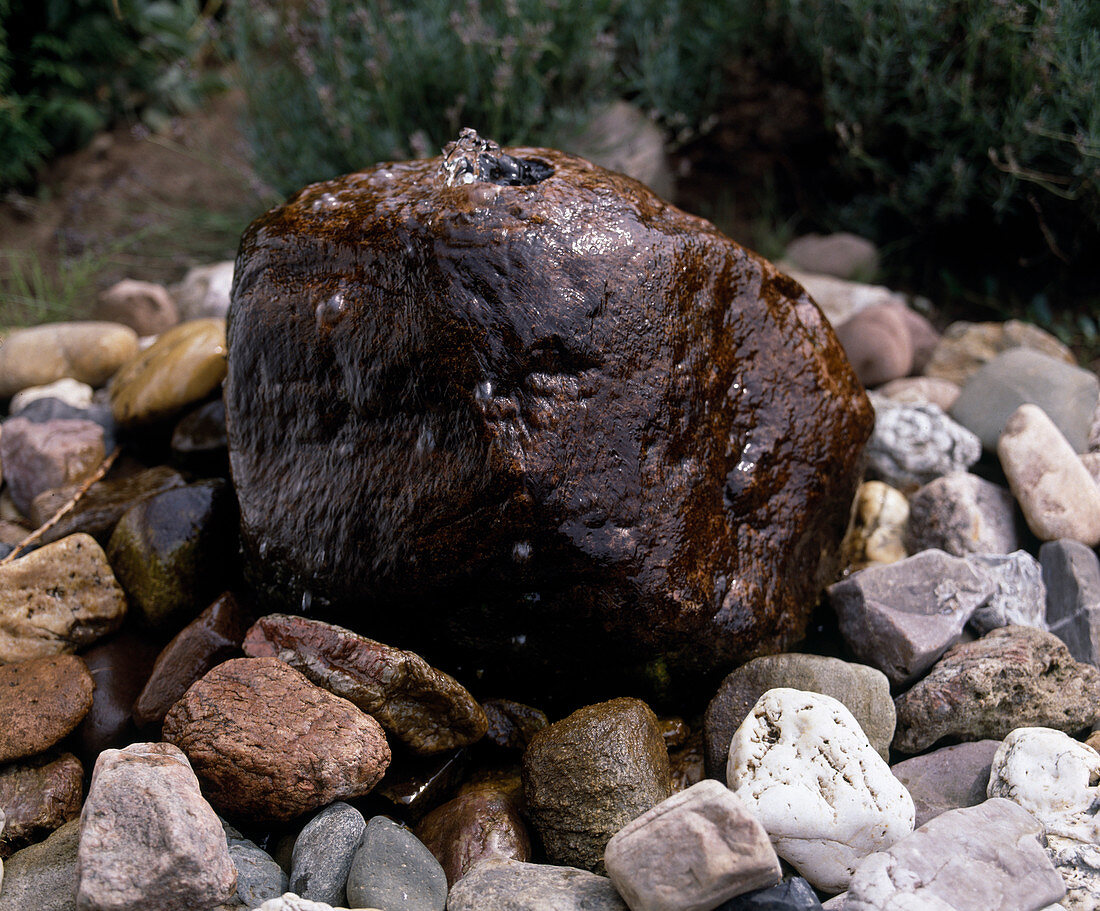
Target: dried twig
<point x="104" y="467"/>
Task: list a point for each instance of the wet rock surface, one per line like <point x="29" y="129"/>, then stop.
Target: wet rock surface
<point x="120" y="666"/>
<point x="1015" y="676"/>
<point x="323" y="852"/>
<point x="269" y="745"/>
<point x="427" y="710"/>
<point x="588" y="775"/>
<point x="587" y="462"/>
<point x="38" y="457"/>
<point x="90" y="352"/>
<point x="393" y="869"/>
<point x="37" y="796"/>
<point x="41" y="701"/>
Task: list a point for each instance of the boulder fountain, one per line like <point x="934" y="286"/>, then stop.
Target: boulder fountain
<point x="516" y="412"/>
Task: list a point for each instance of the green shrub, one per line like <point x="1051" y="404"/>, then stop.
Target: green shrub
<point x="68" y="68"/>
<point x="336" y="85"/>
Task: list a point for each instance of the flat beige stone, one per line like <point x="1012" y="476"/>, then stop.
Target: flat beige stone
<point x="184" y="365"/>
<point x="58" y="599"/>
<point x="90" y="352"/>
<point x="1057" y="494"/>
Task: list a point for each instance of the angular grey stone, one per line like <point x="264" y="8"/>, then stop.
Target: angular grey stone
<point x="973" y="859"/>
<point x="1021" y="375"/>
<point x="393" y="869"/>
<point x="913" y="444"/>
<point x="948" y="778"/>
<point x="864" y="690"/>
<point x="509" y="885"/>
<point x="259" y="878"/>
<point x="323" y="853"/>
<point x="1019" y="596"/>
<point x="691" y="851"/>
<point x="43" y="877"/>
<point x="794" y="894"/>
<point x="903" y="616"/>
<point x="1071" y="573"/>
<point x="147" y="831"/>
<point x="962" y="514"/>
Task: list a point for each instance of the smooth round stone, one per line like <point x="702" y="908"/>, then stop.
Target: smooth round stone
<point x="37" y="796"/>
<point x="965" y="347"/>
<point x="794" y="894"/>
<point x="41" y="701"/>
<point x="43" y="410"/>
<point x="199" y="440"/>
<point x="839" y="298"/>
<point x="145" y="307"/>
<point x="170" y="552"/>
<point x="259" y="878"/>
<point x="204" y="291"/>
<point x="89" y="352"/>
<point x="913" y="389"/>
<point x="588" y="775"/>
<point x="877" y="342"/>
<point x="38" y="457"/>
<point x="879" y="519"/>
<point x="323" y="852"/>
<point x="841" y="255"/>
<point x="43" y="877"/>
<point x="120" y="667"/>
<point x="71" y="392"/>
<point x="1054" y="489"/>
<point x="393" y="869"/>
<point x="184" y="365"/>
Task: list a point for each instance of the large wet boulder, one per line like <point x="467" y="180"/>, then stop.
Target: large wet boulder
<point x="523" y="408"/>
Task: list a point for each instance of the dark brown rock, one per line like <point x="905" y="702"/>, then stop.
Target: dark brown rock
<point x="208" y="640"/>
<point x="474" y="825"/>
<point x="38" y="796"/>
<point x="512" y="724"/>
<point x="120" y="667"/>
<point x="41" y="701"/>
<point x="417" y="785"/>
<point x="269" y="745"/>
<point x="675" y="731"/>
<point x="588" y="775"/>
<point x="98" y="511"/>
<point x="427" y="710"/>
<point x="199" y="440"/>
<point x="1013" y="677"/>
<point x="604" y="439"/>
<point x="687" y="763"/>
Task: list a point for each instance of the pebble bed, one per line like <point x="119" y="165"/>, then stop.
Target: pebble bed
<point x="930" y="746"/>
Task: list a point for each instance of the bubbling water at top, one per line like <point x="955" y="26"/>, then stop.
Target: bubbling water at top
<point x="471" y="158"/>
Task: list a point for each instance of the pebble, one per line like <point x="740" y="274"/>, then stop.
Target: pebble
<point x="509" y="885"/>
<point x="120" y="666"/>
<point x="512" y="724"/>
<point x="323" y="852"/>
<point x="965" y="347"/>
<point x="170" y="550"/>
<point x="903" y="616"/>
<point x="914" y="444"/>
<point x="793" y="894"/>
<point x="259" y="878"/>
<point x="72" y="392"/>
<point x="204" y="291"/>
<point x="43" y="876"/>
<point x="591" y="773"/>
<point x="841" y="255"/>
<point x="147" y="831"/>
<point x="393" y="869"/>
<point x="41" y="411"/>
<point x="183" y="366"/>
<point x="59" y="598"/>
<point x="1019" y="597"/>
<point x="973" y="859"/>
<point x="90" y="352"/>
<point x="863" y="690"/>
<point x="38" y="796"/>
<point x="947" y="778"/>
<point x="1015" y="676"/>
<point x="269" y="745"/>
<point x="1053" y="777"/>
<point x="1054" y="489"/>
<point x="804" y="768"/>
<point x="839" y="298"/>
<point x="426" y="709"/>
<point x="915" y="389"/>
<point x="693" y="850"/>
<point x="208" y="640"/>
<point x="1067" y="394"/>
<point x="480" y="822"/>
<point x="876" y="532"/>
<point x="962" y="514"/>
<point x="41" y="702"/>
<point x="199" y="440"/>
<point x="1071" y="574"/>
<point x="288" y="901"/>
<point x="38" y="457"/>
<point x="145" y="307"/>
<point x="98" y="511"/>
<point x="877" y="342"/>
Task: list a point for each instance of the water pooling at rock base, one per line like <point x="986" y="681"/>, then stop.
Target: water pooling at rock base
<point x="553" y="431"/>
